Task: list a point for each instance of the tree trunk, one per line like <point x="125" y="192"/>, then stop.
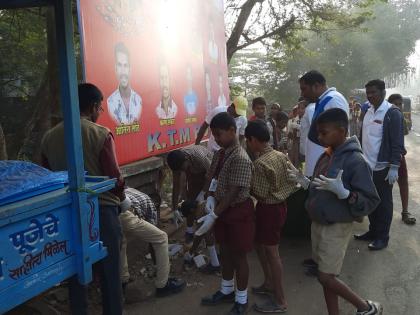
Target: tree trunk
<point x="235" y="36"/>
<point x="46" y="100"/>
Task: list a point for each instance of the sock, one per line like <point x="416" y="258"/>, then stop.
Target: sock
<point x="214" y="260"/>
<point x="227" y="286"/>
<point x="241" y="297"/>
<point x="190" y="230"/>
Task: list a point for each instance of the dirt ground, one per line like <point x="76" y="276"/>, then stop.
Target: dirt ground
<point x="391" y="276"/>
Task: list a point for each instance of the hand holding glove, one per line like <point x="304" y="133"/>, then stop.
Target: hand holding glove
<point x="177" y="217"/>
<point x="125" y="204"/>
<point x="294" y="175"/>
<point x="335" y="185"/>
<point x="392" y="176"/>
<point x="208" y="222"/>
<point x="210" y="204"/>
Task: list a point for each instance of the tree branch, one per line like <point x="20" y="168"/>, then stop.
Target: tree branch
<point x="238" y="29"/>
<point x="277" y="32"/>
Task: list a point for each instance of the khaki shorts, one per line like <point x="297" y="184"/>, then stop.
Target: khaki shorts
<point x="329" y="245"/>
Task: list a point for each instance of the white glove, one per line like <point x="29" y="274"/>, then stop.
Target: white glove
<point x="392" y="176"/>
<point x="335" y="185"/>
<point x="200" y="197"/>
<point x="125" y="204"/>
<point x="208" y="221"/>
<point x="177" y="217"/>
<point x="210" y="204"/>
<point x="294" y="175"/>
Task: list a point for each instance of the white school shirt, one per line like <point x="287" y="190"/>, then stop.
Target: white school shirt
<point x="212" y="145"/>
<point x="241" y="123"/>
<point x="373" y="126"/>
<point x="305" y="123"/>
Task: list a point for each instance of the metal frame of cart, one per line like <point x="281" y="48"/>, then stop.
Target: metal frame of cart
<point x="80" y="196"/>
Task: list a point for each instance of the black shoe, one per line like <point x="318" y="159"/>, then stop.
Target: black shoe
<point x="218" y="298"/>
<point x="239" y="309"/>
<point x="173" y="286"/>
<point x="378" y="245"/>
<point x="308" y="263"/>
<point x="312" y="271"/>
<point x="364" y="237"/>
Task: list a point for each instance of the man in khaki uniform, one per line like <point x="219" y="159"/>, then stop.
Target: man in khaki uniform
<point x="100" y="160"/>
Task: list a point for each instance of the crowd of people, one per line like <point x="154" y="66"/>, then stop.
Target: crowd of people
<point x="233" y="192"/>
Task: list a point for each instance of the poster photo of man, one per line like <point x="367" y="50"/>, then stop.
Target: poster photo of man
<point x="167" y="108"/>
<point x="124" y="104"/>
<point x="190" y="99"/>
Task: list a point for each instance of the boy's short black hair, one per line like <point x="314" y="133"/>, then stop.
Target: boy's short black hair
<point x="187" y="207"/>
<point x="312" y="77"/>
<point x="380" y="84"/>
<point x="175" y="159"/>
<point x="223" y="121"/>
<point x="394" y="97"/>
<point x="89" y="96"/>
<point x="258" y="101"/>
<point x="335" y="116"/>
<point x="258" y="130"/>
<point x="281" y="116"/>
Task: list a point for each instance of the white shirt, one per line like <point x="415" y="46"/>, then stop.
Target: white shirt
<point x="172" y="111"/>
<point x="313" y="150"/>
<point x="241" y="123"/>
<point x="212" y="145"/>
<point x="118" y="111"/>
<point x="337" y="101"/>
<point x="305" y="124"/>
<point x="372" y="134"/>
<point x="221" y="101"/>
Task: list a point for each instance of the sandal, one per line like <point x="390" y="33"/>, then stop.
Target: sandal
<point x="407" y="218"/>
<point x="262" y="290"/>
<point x="270" y="307"/>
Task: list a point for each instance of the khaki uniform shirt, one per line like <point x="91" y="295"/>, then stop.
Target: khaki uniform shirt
<point x="199" y="157"/>
<point x="236" y="171"/>
<point x="269" y="183"/>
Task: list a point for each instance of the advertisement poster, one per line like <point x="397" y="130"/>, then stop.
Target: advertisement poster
<point x="161" y="65"/>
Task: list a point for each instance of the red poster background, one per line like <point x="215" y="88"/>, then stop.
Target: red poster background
<point x="177" y="32"/>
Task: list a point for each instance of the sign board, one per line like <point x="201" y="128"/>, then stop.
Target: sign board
<point x="161" y="65"/>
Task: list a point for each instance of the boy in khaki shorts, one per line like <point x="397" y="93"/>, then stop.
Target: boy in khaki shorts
<point x="342" y="192"/>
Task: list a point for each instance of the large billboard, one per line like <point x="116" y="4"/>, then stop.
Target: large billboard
<point x="161" y="65"/>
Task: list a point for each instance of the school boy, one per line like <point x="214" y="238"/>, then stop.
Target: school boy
<point x="271" y="188"/>
<point x="189" y="164"/>
<point x="233" y="216"/>
<point x="342" y="192"/>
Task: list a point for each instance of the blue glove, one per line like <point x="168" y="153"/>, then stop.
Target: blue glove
<point x="392" y="176"/>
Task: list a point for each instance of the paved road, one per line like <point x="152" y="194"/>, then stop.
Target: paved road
<point x="391" y="276"/>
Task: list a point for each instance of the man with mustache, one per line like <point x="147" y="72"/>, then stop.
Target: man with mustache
<point x="124" y="105"/>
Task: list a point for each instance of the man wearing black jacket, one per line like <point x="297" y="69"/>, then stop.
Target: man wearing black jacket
<point x="383" y="146"/>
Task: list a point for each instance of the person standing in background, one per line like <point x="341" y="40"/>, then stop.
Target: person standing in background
<point x="407" y="217"/>
<point x="314" y="89"/>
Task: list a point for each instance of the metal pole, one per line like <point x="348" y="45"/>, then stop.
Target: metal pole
<point x="73" y="141"/>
